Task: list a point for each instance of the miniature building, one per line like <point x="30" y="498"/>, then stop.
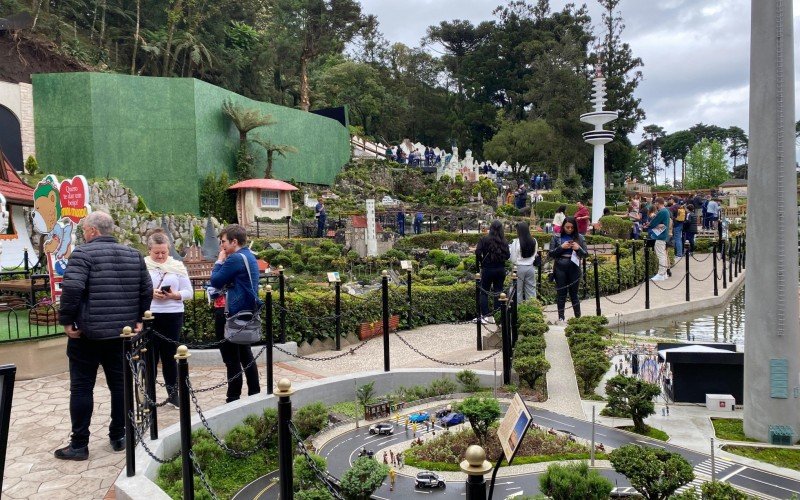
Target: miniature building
<point x="734" y="186"/>
<point x="16" y="238"/>
<point x="263" y="198"/>
<point x="356" y="236"/>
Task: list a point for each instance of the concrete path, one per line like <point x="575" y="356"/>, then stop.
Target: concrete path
<point x="562" y="385"/>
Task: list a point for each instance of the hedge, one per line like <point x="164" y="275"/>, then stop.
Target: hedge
<point x="310" y="314"/>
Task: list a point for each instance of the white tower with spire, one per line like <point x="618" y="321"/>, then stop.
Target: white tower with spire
<point x="599" y="138"/>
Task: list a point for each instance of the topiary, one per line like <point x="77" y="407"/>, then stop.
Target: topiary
<point x="31" y="165"/>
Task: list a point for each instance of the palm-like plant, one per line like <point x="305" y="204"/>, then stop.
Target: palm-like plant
<point x="245" y="119"/>
<point x="195" y="52"/>
<point x="272" y="149"/>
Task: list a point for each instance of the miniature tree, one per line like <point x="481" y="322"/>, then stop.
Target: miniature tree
<point x="531" y="368"/>
<point x="363" y="478"/>
<point x="574" y="480"/>
<point x="272" y="149"/>
<point x="365" y="393"/>
<point x="655" y="473"/>
<point x="632" y="397"/>
<point x="482" y="412"/>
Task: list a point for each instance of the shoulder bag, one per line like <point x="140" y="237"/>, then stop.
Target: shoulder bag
<point x="244" y="327"/>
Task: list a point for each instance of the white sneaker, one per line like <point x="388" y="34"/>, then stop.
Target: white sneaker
<point x="658" y="277"/>
<point x="483" y="320"/>
<point x="489" y="319"/>
<point x="561" y="322"/>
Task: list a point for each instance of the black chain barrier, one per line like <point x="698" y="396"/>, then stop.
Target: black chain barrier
<point x="668" y="289"/>
<point x="203" y="479"/>
<point x="238" y="374"/>
<point x="350" y="351"/>
<point x="326" y="478"/>
<point x="448" y="363"/>
<point x="638" y="289"/>
<point x="230" y="451"/>
<point x="140" y="440"/>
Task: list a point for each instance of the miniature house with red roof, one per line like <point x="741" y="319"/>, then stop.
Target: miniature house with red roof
<point x="262" y="198"/>
<point x="16" y="239"/>
<point x="355" y="236"/>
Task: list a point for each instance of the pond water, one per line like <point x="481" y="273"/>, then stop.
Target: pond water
<point x="721" y="324"/>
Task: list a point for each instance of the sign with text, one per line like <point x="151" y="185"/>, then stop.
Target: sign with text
<point x="333" y="277"/>
<point x="513" y="427"/>
<point x="406" y="265"/>
<point x="58" y="208"/>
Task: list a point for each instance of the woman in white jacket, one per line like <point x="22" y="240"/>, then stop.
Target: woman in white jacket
<point x="171" y="286"/>
<point x="523" y="252"/>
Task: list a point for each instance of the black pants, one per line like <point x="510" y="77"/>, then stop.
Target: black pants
<point x="168" y="325"/>
<point x="492" y="280"/>
<point x="236" y="357"/>
<point x="568" y="279"/>
<point x="690" y="238"/>
<point x="85" y="356"/>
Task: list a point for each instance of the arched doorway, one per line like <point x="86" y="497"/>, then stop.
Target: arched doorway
<point x="11" y="138"/>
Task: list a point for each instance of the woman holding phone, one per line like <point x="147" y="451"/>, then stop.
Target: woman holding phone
<point x="567" y="250"/>
<point x="171" y="286"/>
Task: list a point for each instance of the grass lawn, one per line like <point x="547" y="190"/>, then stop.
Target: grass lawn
<point x="14" y="326"/>
<point x="731" y="429"/>
<point x="782" y="457"/>
<point x="652" y="432"/>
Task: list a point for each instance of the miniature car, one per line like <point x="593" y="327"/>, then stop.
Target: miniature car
<point x="452" y="419"/>
<point x="443" y="411"/>
<point x="428" y="479"/>
<point x="382" y="428"/>
<point x="418" y="417"/>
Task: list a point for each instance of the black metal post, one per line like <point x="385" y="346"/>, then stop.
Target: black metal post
<point x="687" y="258"/>
<point x="506" y="339"/>
<point x="184" y="412"/>
<point x="476" y="487"/>
<point x="619" y="270"/>
<point x="724" y="272"/>
<point x="25" y="262"/>
<point x="730" y="261"/>
<point x="585" y="280"/>
<point x="151" y="369"/>
<point x="288" y="226"/>
<point x="513" y="319"/>
<point x="478" y="316"/>
<point x="738" y="256"/>
<point x="127" y="380"/>
<point x="475" y="466"/>
<point x="337" y="286"/>
<point x="539" y="276"/>
<point x="270" y="338"/>
<point x="633" y="254"/>
<point x="596" y="269"/>
<point x="285" y="472"/>
<point x="744" y="251"/>
<point x="716" y="277"/>
<point x="385" y="297"/>
<point x="646" y="279"/>
<point x="408" y="296"/>
<point x="282" y="302"/>
<point x="430" y="227"/>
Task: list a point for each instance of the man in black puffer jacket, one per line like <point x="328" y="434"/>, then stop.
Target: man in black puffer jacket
<point x="106" y="287"/>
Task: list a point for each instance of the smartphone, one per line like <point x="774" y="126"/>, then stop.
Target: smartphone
<point x="166" y="288"/>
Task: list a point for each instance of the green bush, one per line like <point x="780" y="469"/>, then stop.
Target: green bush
<point x="574" y="480"/>
<point x="469" y="380"/>
<point x="616" y="227"/>
<point x="529" y="346"/>
<point x="310" y="419"/>
<point x="442" y="386"/>
<point x="215" y="198"/>
<point x="31" y="165"/>
<point x="434" y="240"/>
<point x="547" y="209"/>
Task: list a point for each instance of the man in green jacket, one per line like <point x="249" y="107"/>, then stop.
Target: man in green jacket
<point x="658" y="230"/>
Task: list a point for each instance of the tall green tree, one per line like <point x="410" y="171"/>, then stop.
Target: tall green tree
<point x="621" y="70"/>
<point x="355" y="84"/>
<point x="737" y="144"/>
<point x="363" y="478"/>
<point x="527" y="143"/>
<point x="653" y="135"/>
<point x="655" y="473"/>
<point x="676" y="146"/>
<point x="317" y="27"/>
<point x="705" y="165"/>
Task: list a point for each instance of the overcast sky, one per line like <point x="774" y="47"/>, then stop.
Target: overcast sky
<point x="695" y="52"/>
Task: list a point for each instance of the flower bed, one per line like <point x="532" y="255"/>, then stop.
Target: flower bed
<point x="446" y="451"/>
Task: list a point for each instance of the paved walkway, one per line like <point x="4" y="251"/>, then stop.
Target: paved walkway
<point x="40" y="414"/>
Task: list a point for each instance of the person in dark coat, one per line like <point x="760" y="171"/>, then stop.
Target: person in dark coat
<point x="491" y="255"/>
<point x="106" y="287"/>
<point x="401" y="220"/>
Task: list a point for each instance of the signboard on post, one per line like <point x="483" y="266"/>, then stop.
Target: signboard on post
<point x="513" y="427"/>
<point x="406" y="265"/>
<point x="58" y="208"/>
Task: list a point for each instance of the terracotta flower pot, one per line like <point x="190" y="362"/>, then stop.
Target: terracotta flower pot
<point x="375" y="328"/>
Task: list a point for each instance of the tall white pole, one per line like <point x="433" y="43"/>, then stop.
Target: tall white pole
<point x="772" y="340"/>
<point x="599" y="183"/>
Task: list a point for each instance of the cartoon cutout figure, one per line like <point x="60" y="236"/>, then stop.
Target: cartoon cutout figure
<point x="3" y="218"/>
<point x="47" y="220"/>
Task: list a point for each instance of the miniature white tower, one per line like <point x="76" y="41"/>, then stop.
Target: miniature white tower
<point x="598" y="138"/>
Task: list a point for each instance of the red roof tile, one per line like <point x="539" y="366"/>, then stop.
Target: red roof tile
<point x="12" y="186"/>
<point x="270" y="184"/>
<point x="360" y="222"/>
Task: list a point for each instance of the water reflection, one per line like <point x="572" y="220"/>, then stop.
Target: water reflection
<point x="723" y="324"/>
